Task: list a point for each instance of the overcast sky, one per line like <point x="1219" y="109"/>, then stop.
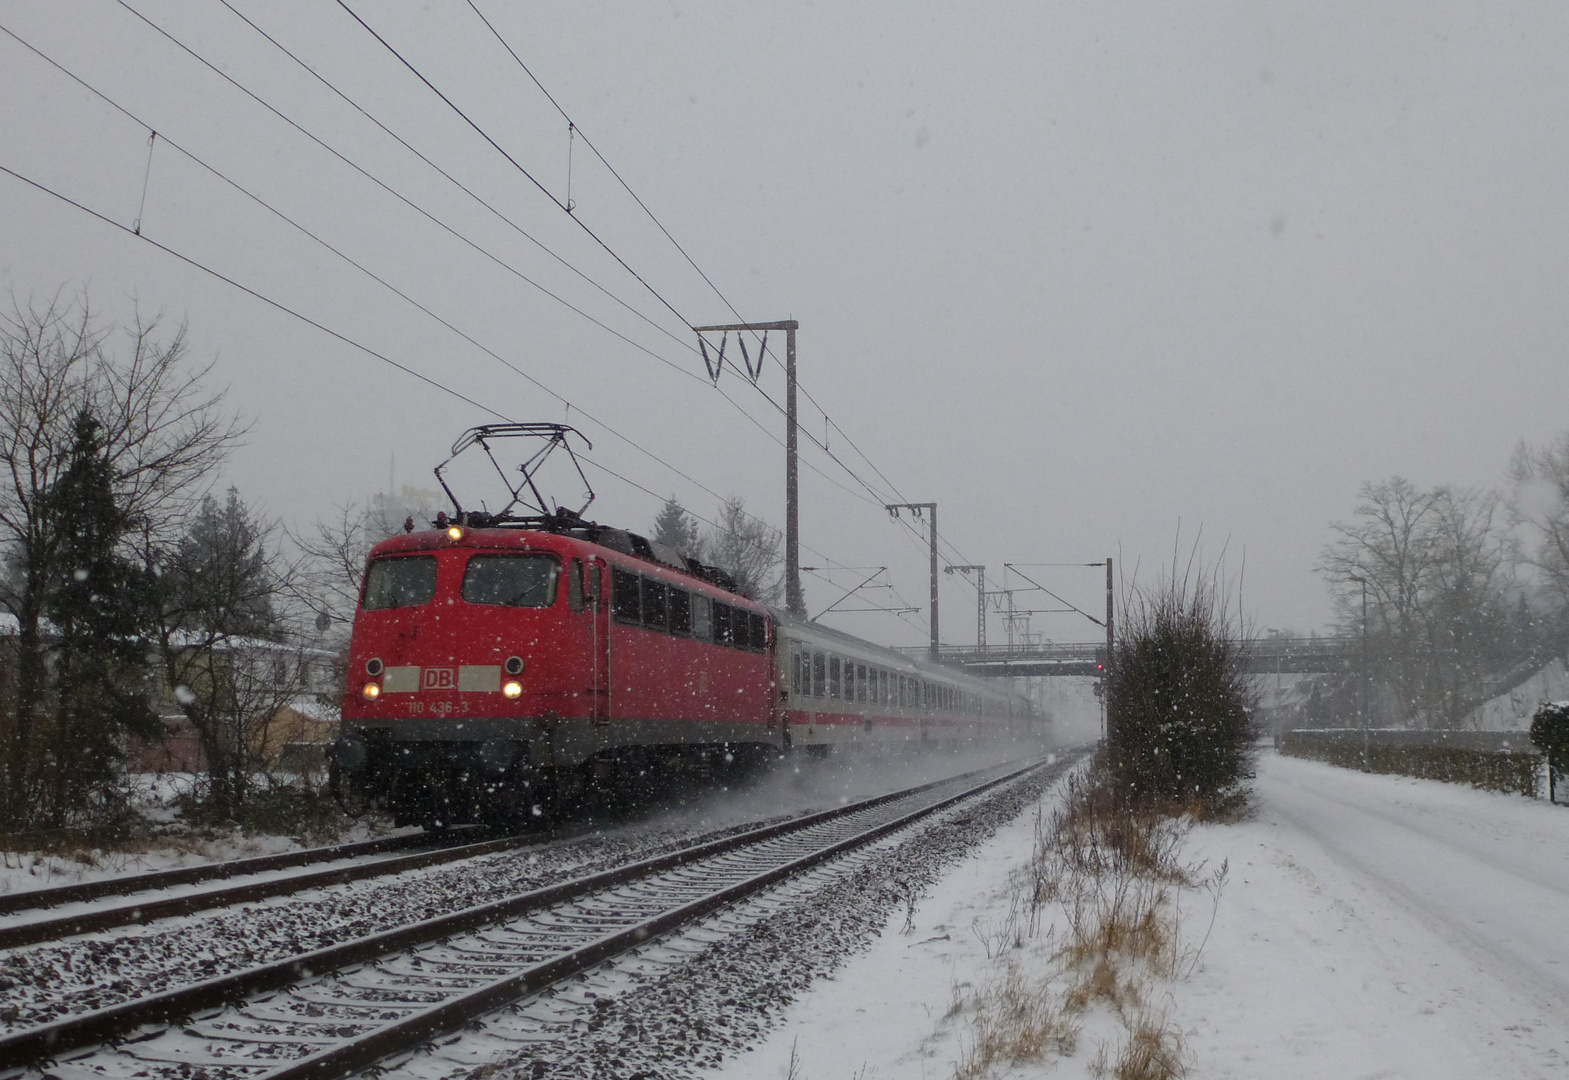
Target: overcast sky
<point x="1082" y="274"/>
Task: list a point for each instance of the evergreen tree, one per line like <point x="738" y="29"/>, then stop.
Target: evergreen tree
<point x="220" y="642"/>
<point x="675" y="528"/>
<point x="98" y="604"/>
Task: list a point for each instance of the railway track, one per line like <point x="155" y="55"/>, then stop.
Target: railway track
<point x="330" y="1012"/>
<point x="142" y="908"/>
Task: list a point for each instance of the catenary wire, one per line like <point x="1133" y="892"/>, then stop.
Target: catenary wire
<point x="341" y="337"/>
<point x="692" y="262"/>
<point x="565" y="209"/>
<point x="514" y="162"/>
<point x="420" y="210"/>
<point x="851" y="472"/>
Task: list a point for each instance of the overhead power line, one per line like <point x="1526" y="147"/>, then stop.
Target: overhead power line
<point x="514" y="163"/>
<point x="431" y="217"/>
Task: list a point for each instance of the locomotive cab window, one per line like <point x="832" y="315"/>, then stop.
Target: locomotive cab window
<point x="575" y="586"/>
<point x="511" y="580"/>
<point x="402" y="581"/>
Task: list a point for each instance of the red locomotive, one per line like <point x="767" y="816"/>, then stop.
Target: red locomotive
<point x="500" y="666"/>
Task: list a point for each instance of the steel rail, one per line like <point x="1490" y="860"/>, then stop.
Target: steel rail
<point x="48" y="1041"/>
<point x="146" y="911"/>
<point x="32" y="899"/>
<point x="411" y="1031"/>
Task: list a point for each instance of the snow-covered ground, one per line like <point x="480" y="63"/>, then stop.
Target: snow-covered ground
<point x="1369" y="926"/>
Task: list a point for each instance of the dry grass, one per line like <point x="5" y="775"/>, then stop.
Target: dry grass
<point x="1114" y="871"/>
<point x="1015" y="1019"/>
<point x="1153" y="1050"/>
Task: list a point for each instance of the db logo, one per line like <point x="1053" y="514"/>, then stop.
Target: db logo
<point x="440" y="678"/>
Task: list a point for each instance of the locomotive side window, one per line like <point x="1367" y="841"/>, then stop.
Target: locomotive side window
<point x="759" y="631"/>
<point x="626" y="601"/>
<point x="511" y="580"/>
<point x="680" y="611"/>
<point x="575" y="586"/>
<point x="740" y="629"/>
<point x="401" y="581"/>
<point x="654" y="604"/>
<point x="702" y="618"/>
<point x="723" y="630"/>
<point x="592" y="584"/>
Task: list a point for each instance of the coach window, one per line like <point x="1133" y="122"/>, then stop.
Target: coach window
<point x="626" y="601"/>
<point x="834" y="676"/>
<point x="860" y="682"/>
<point x="819" y="675"/>
<point x="575" y="586"/>
<point x="680" y="611"/>
<point x="403" y="581"/>
<point x="655" y="604"/>
<point x="511" y="580"/>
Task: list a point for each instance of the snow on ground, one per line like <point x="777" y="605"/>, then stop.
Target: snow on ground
<point x="172" y="847"/>
<point x="1370" y="926"/>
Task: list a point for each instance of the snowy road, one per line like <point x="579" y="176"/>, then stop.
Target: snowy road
<point x="1377" y="926"/>
<point x="1491" y="875"/>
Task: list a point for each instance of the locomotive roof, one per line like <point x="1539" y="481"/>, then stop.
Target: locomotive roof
<point x="611" y="539"/>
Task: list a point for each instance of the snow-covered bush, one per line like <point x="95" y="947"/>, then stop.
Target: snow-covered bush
<point x="1179" y="705"/>
<point x="1550" y="731"/>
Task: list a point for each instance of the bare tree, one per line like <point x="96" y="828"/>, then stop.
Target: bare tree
<point x="333" y="552"/>
<point x="163" y="434"/>
<point x="748" y="549"/>
<point x="1433" y="565"/>
<point x="1539" y="507"/>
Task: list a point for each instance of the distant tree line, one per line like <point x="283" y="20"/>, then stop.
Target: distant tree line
<point x="1466" y="590"/>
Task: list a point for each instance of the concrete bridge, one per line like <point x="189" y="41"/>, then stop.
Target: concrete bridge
<point x="1261" y="656"/>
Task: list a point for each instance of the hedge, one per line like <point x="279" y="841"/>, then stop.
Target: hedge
<point x="1513" y="771"/>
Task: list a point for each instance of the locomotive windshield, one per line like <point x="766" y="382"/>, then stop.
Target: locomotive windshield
<point x="511" y="580"/>
<point x="404" y="581"/>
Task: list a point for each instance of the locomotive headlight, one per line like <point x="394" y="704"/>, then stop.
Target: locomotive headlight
<point x="455" y="532"/>
<point x="370" y="691"/>
<point x="512" y="690"/>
